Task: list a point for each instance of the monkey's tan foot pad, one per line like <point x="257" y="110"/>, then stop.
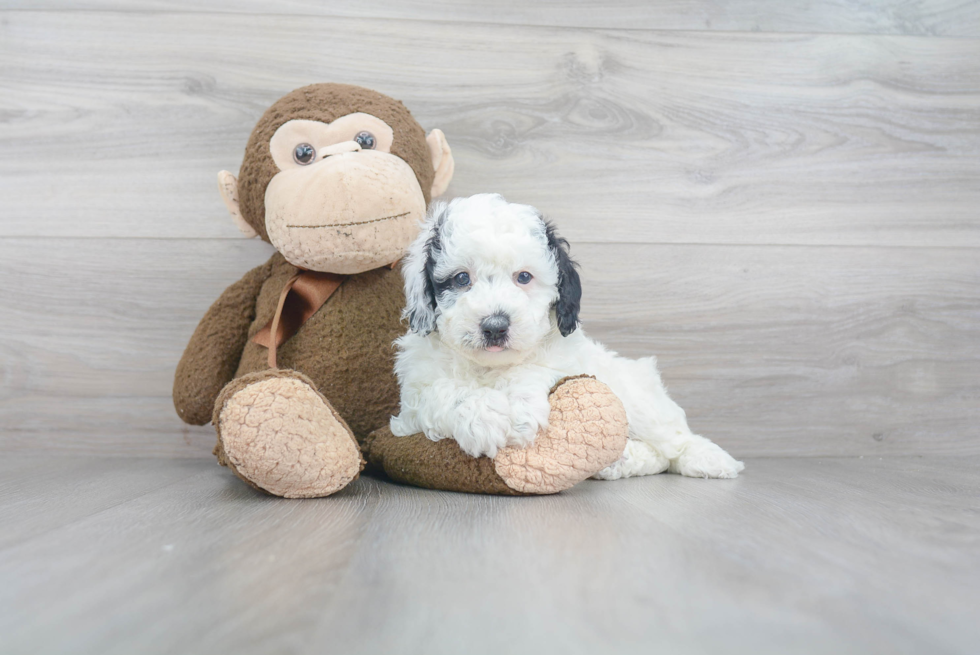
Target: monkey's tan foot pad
<point x="280" y="435"/>
<point x="587" y="433"/>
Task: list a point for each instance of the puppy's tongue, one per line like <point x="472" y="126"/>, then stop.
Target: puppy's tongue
<point x="494" y="349"/>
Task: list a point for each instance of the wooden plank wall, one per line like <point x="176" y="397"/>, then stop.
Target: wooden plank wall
<point x="779" y="199"/>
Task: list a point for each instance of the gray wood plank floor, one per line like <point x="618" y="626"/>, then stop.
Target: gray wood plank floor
<point x="859" y="555"/>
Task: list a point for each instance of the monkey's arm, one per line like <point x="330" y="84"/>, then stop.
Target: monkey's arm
<point x="213" y="353"/>
<point x="587" y="432"/>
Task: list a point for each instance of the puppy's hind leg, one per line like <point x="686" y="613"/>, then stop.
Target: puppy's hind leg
<point x="702" y="458"/>
<point x="660" y="423"/>
<point x="639" y="458"/>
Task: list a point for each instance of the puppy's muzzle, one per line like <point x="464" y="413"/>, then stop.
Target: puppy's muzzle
<point x="495" y="330"/>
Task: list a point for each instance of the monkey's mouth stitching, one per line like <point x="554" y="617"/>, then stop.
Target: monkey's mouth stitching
<point x="373" y="220"/>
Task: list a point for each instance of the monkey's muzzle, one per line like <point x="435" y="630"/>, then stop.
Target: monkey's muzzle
<point x="347" y="214"/>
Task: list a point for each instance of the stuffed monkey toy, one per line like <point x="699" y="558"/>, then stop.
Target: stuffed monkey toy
<point x="293" y="364"/>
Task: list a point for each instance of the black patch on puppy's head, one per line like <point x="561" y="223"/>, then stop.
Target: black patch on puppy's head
<point x="569" y="285"/>
<point x="422" y="319"/>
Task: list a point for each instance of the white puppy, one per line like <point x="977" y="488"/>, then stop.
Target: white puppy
<point x="493" y="302"/>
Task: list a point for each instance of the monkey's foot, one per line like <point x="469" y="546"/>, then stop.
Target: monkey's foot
<point x="587" y="432"/>
<point x="281" y="436"/>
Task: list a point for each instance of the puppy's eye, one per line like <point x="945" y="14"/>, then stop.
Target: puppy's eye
<point x="524" y="277"/>
<point x="366" y="140"/>
<point x="462" y="279"/>
<point x="304" y="153"/>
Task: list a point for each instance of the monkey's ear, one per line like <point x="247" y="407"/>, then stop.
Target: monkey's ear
<point x="228" y="187"/>
<point x="442" y="161"/>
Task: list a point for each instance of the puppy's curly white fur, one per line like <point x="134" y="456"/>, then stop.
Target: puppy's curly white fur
<point x="493" y="302"/>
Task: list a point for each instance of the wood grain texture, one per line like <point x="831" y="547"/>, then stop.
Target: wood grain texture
<point x="41" y="493"/>
<point x="959" y="18"/>
<point x="771" y="350"/>
<point x="789" y="221"/>
<point x="114" y="124"/>
<point x="92" y="332"/>
<point x="796" y="556"/>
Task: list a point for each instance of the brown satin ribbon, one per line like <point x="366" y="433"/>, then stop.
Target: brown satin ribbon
<point x="303" y="295"/>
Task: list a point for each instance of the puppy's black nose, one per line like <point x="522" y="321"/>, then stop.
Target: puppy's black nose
<point x="495" y="328"/>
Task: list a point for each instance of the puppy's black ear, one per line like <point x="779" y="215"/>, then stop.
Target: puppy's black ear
<point x="569" y="285"/>
<point x="417" y="268"/>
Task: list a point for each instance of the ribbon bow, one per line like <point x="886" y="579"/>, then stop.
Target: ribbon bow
<point x="303" y="295"/>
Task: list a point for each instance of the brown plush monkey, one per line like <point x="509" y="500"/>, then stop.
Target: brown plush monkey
<point x="293" y="363"/>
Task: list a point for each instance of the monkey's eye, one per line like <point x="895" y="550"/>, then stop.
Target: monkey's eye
<point x="462" y="279"/>
<point x="366" y="140"/>
<point x="304" y="153"/>
<point x="524" y="277"/>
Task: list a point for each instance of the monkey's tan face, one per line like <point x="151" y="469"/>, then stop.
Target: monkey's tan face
<point x="341" y="203"/>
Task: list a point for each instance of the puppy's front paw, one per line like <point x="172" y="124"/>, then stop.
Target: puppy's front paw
<point x="528" y="417"/>
<point x="706" y="460"/>
<point x="482" y="423"/>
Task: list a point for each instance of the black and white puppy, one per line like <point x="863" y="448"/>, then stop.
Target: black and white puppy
<point x="493" y="303"/>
